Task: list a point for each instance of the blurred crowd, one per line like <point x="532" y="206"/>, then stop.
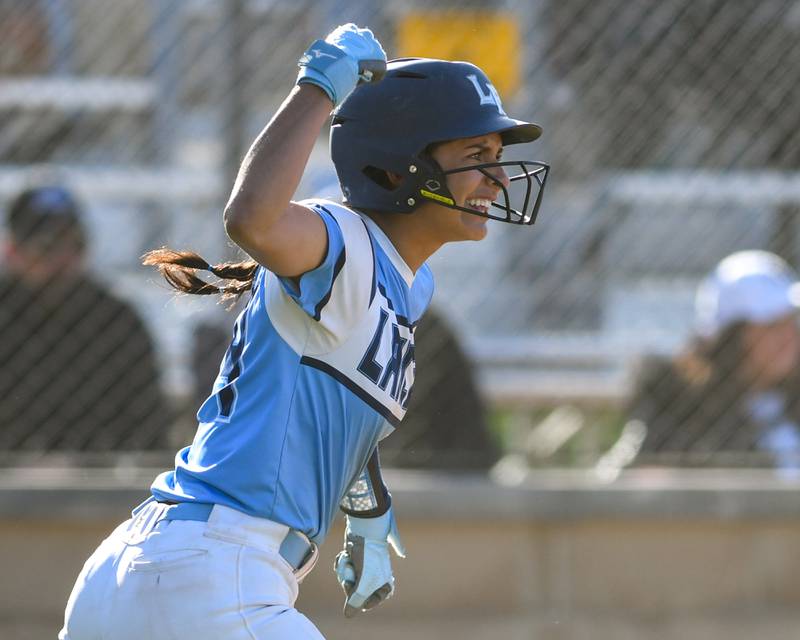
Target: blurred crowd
<point x="79" y="370"/>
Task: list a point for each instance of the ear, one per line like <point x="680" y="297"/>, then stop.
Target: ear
<point x="395" y="179"/>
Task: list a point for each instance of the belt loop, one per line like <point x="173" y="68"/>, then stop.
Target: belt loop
<point x="308" y="565"/>
<point x="144" y="519"/>
<point x="137" y="509"/>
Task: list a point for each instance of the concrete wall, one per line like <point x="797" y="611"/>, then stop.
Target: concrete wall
<point x="663" y="556"/>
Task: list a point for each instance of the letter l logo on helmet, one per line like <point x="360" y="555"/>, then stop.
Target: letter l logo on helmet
<point x="490" y="97"/>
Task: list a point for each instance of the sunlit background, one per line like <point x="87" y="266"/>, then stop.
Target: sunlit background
<point x="672" y="128"/>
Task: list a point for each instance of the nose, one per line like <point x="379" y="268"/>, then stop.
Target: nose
<point x="499" y="174"/>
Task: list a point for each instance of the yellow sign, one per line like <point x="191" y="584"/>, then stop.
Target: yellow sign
<point x="489" y="39"/>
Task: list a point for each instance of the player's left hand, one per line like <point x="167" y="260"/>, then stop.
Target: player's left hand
<point x="348" y="56"/>
<point x="364" y="568"/>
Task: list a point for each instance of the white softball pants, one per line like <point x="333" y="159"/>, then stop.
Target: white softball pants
<point x="181" y="579"/>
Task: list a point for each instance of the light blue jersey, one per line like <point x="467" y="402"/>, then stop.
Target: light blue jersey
<point x="315" y="376"/>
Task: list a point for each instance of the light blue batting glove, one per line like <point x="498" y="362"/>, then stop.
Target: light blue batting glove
<point x="364" y="568"/>
<point x="345" y="58"/>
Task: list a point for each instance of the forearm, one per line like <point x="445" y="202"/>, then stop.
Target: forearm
<point x="274" y="164"/>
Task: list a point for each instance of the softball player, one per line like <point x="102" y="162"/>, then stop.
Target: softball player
<point x="321" y="363"/>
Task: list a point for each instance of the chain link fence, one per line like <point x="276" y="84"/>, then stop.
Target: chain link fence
<point x="672" y="130"/>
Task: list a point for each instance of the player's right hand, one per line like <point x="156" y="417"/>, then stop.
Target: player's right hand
<point x="364" y="568"/>
<point x="345" y="58"/>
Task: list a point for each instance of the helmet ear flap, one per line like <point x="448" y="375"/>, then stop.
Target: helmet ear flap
<point x="427" y="181"/>
<point x="422" y="173"/>
<point x="421" y="180"/>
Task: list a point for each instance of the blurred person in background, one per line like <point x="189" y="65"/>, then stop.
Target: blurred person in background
<point x="446" y="426"/>
<point x="77" y="367"/>
<point x="733" y="396"/>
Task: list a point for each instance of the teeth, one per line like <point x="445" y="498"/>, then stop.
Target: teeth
<point x="481" y="203"/>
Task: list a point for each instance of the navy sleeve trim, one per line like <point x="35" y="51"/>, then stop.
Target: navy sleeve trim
<point x="374" y="265"/>
<point x="340" y="260"/>
<point x="326" y="298"/>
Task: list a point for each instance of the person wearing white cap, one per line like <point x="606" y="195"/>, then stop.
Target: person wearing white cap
<point x="755" y="287"/>
<point x="733" y="396"/>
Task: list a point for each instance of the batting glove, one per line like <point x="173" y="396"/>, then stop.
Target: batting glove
<point x="364" y="568"/>
<point x="347" y="57"/>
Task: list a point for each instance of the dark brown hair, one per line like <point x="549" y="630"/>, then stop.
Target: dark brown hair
<point x="714" y="364"/>
<point x="180" y="268"/>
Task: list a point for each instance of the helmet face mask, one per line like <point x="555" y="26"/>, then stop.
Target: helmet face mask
<point x="534" y="174"/>
<point x="388" y="128"/>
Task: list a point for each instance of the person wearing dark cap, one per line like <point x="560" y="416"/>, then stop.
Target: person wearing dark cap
<point x="733" y="396"/>
<point x="77" y="366"/>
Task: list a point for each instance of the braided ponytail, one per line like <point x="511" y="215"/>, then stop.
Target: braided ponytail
<point x="179" y="269"/>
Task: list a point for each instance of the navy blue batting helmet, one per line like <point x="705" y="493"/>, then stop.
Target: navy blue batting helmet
<point x="389" y="126"/>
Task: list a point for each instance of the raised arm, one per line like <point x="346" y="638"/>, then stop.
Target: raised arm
<point x="285" y="237"/>
<point x="260" y="217"/>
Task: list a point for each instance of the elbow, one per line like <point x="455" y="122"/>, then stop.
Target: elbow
<point x="243" y="221"/>
<point x="234" y="221"/>
<point x="250" y="224"/>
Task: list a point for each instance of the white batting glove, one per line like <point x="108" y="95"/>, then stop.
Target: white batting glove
<point x="345" y="58"/>
<point x="364" y="568"/>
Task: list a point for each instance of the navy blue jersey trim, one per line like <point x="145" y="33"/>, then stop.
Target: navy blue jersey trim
<point x="374" y="264"/>
<point x="400" y="319"/>
<point x="352" y="386"/>
<point x="324" y="301"/>
<point x="382" y="496"/>
<point x="340" y="260"/>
